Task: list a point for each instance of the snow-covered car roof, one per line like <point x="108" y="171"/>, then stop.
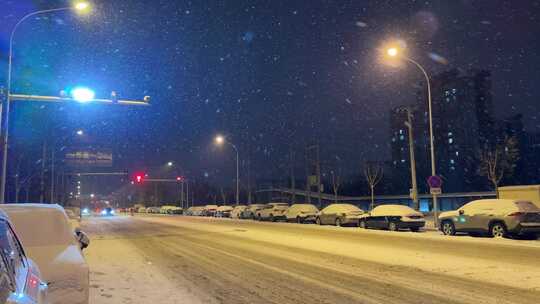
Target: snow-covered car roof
<point x="499" y="204"/>
<point x="40" y="224"/>
<point x="341" y="207"/>
<point x="224" y="208"/>
<point x="389" y="210"/>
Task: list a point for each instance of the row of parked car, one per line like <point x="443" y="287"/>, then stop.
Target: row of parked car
<point x="41" y="258"/>
<point x="166" y="209"/>
<point x="492" y="217"/>
<point x="393" y="217"/>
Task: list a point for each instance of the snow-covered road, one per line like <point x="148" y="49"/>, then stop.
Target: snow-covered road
<point x="162" y="259"/>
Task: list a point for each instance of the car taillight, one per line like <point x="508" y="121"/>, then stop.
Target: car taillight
<point x="32" y="285"/>
<point x="516" y="213"/>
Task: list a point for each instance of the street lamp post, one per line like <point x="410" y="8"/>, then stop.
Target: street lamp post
<point x="220" y="140"/>
<point x="394" y="52"/>
<point x="409" y="124"/>
<point x="4" y="109"/>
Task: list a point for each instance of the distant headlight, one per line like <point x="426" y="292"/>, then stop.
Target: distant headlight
<point x="85" y="211"/>
<point x="112" y="211"/>
<point x="103" y="212"/>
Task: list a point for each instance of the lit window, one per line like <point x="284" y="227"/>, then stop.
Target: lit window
<point x="400" y="131"/>
<point x="454" y="91"/>
<point x="452" y="168"/>
<point x="401" y="137"/>
<point x="393" y="139"/>
<point x="450" y="134"/>
<point x="457" y="153"/>
<point x="452" y="161"/>
<point x="402" y="160"/>
<point x="450" y="140"/>
<point x="446" y="93"/>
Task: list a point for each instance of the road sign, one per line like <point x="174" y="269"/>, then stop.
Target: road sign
<point x="434" y="181"/>
<point x="435" y="191"/>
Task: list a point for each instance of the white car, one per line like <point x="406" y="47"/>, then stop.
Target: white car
<point x="21" y="281"/>
<point x="49" y="240"/>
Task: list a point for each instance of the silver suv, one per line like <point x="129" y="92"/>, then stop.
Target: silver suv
<point x="495" y="217"/>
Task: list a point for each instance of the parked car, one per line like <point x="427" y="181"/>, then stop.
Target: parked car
<point x="209" y="210"/>
<point x="152" y="210"/>
<point x="393" y="217"/>
<point x="197" y="211"/>
<point x="339" y="215"/>
<point x="272" y="212"/>
<point x="21" y="281"/>
<point x="223" y="211"/>
<point x="51" y="243"/>
<point x="301" y="213"/>
<point x="237" y="211"/>
<point x="250" y="211"/>
<point x="141" y="210"/>
<point x="495" y="217"/>
<point x="169" y="209"/>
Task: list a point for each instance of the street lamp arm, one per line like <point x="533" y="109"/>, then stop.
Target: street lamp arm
<point x="421" y="69"/>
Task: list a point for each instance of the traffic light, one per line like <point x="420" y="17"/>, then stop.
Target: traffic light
<point x="138" y="177"/>
<point x="180" y="178"/>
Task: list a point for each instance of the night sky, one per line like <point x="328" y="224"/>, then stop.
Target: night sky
<point x="271" y="75"/>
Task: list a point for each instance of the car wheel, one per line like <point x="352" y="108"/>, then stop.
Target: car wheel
<point x="392" y="226"/>
<point x="362" y="224"/>
<point x="448" y="228"/>
<point x="271" y="218"/>
<point x="299" y="220"/>
<point x="318" y="221"/>
<point x="338" y="222"/>
<point x="497" y="230"/>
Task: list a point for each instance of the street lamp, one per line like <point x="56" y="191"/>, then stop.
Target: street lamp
<point x="170" y="164"/>
<point x="79" y="6"/>
<point x="80" y="132"/>
<point x="220" y="140"/>
<point x="395" y="52"/>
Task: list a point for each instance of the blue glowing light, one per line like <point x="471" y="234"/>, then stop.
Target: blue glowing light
<point x="82" y="94"/>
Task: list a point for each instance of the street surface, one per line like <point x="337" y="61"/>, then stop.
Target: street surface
<point x="177" y="259"/>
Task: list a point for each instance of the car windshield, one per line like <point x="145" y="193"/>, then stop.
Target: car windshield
<point x="527" y="206"/>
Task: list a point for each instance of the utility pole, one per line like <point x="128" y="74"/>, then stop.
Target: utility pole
<point x="52" y="176"/>
<point x="319" y="175"/>
<point x="409" y="124"/>
<point x="308" y="181"/>
<point x="293" y="182"/>
<point x="42" y="182"/>
<point x="316" y="163"/>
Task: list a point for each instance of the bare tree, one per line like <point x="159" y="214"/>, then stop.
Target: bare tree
<point x="498" y="161"/>
<point x="223" y="196"/>
<point x="373" y="172"/>
<point x="336" y="182"/>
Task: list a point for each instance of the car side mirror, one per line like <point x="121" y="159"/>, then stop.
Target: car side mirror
<point x="82" y="238"/>
<point x="461" y="212"/>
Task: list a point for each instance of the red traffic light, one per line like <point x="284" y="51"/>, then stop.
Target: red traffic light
<point x="138" y="177"/>
<point x="180" y="178"/>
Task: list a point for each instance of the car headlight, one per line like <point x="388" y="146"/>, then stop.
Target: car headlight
<point x="112" y="211"/>
<point x="103" y="212"/>
<point x="85" y="211"/>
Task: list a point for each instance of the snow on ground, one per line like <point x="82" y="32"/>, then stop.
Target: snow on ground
<point x="121" y="274"/>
